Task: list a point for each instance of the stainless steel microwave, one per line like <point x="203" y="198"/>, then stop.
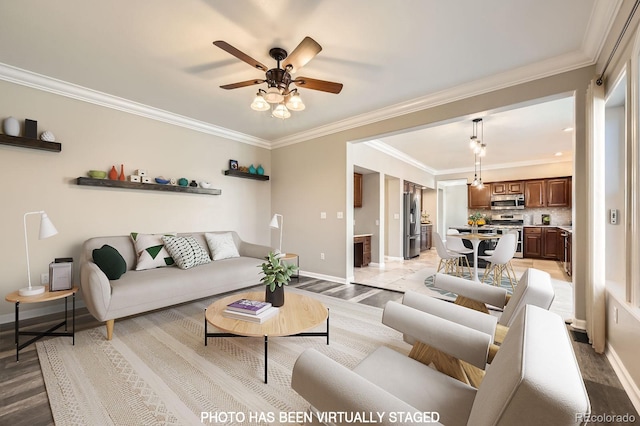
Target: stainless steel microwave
<point x="507" y="202"/>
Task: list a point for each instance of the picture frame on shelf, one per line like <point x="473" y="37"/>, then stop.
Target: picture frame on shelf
<point x="233" y="164"/>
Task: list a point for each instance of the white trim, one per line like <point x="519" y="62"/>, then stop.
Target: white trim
<point x="74" y="91"/>
<point x="623" y="375"/>
<point x="324" y="277"/>
<point x="39" y="312"/>
<point x="395" y="153"/>
<point x="601" y="20"/>
<point x="579" y="324"/>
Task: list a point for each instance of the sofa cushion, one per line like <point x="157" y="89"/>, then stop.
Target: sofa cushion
<point x="150" y="251"/>
<point x="222" y="245"/>
<point x="186" y="251"/>
<point x="110" y="262"/>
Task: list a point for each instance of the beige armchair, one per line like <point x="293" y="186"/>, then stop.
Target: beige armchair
<point x="524" y="386"/>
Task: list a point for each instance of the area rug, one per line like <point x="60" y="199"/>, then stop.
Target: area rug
<point x="156" y="370"/>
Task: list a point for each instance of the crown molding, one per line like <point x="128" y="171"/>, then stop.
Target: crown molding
<point x="59" y="87"/>
<point x="395" y="153"/>
<point x="603" y="15"/>
<point x="512" y="165"/>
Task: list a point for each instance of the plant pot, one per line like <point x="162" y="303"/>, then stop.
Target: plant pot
<point x="276" y="297"/>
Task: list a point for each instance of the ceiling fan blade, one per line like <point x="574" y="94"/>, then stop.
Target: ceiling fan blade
<point x="322" y="85"/>
<point x="240" y="55"/>
<point x="303" y="53"/>
<point x="242" y="84"/>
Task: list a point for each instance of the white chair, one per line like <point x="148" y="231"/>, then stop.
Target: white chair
<point x="456" y="245"/>
<point x="498" y="261"/>
<point x="534" y="378"/>
<point x="510" y="265"/>
<point x="449" y="260"/>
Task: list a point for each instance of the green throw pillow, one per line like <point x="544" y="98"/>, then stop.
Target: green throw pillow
<point x="110" y="262"/>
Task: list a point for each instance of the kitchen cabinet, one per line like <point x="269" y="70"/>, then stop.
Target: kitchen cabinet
<point x="425" y="236"/>
<point x="357" y="190"/>
<point x="567" y="261"/>
<point x="506" y="188"/>
<point x="558" y="192"/>
<point x="361" y="250"/>
<point x="534" y="193"/>
<point x="543" y="242"/>
<point x="479" y="197"/>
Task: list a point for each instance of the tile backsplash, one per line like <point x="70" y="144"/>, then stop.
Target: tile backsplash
<point x="560" y="216"/>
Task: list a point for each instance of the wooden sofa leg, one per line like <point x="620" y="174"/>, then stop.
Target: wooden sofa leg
<point x="109" y="325"/>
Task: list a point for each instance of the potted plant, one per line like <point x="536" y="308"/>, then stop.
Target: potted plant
<point x="276" y="275"/>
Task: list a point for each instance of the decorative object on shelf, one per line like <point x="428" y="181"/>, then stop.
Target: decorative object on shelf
<point x="244" y="169"/>
<point x="113" y="173"/>
<point x="46" y="230"/>
<point x="173" y="181"/>
<point x="47" y="136"/>
<point x="233" y="164"/>
<point x="252" y="169"/>
<point x="424" y="217"/>
<point x="205" y="184"/>
<point x="260" y="169"/>
<point x="108" y="183"/>
<point x="193" y="184"/>
<point x="276" y="275"/>
<point x="11" y="126"/>
<point x="479" y="148"/>
<point x="134" y="178"/>
<point x="97" y="174"/>
<point x="183" y="182"/>
<point x="275" y="225"/>
<point x="122" y="176"/>
<point x="30" y="129"/>
<point x="162" y="181"/>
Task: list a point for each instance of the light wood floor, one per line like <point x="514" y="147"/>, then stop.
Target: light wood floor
<point x="23" y="397"/>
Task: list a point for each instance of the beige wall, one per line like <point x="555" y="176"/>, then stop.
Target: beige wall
<point x="95" y="137"/>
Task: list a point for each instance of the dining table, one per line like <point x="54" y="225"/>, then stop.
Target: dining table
<point x="475" y="238"/>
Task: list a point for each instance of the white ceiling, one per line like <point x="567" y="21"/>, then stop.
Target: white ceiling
<point x="391" y="56"/>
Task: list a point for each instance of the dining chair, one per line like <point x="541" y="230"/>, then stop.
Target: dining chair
<point x="456" y="245"/>
<point x="510" y="264"/>
<point x="497" y="263"/>
<point x="449" y="260"/>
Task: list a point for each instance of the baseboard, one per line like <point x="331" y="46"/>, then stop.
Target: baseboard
<point x="579" y="324"/>
<point x="623" y="375"/>
<point x="324" y="277"/>
<point x="38" y="312"/>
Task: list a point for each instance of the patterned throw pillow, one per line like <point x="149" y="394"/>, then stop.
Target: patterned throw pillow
<point x="221" y="245"/>
<point x="186" y="251"/>
<point x="150" y="251"/>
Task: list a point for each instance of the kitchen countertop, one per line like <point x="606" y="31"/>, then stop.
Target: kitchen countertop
<point x="362" y="235"/>
<point x="567" y="228"/>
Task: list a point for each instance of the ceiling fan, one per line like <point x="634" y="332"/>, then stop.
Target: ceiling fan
<point x="279" y="78"/>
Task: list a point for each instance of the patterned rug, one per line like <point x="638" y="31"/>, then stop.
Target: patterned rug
<point x="429" y="283"/>
<point x="156" y="370"/>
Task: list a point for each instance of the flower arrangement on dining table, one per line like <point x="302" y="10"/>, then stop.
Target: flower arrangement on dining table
<point x="477" y="219"/>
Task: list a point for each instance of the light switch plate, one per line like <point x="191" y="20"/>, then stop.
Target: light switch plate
<point x="613" y="216"/>
<point x="339" y="215"/>
<point x="323" y="215"/>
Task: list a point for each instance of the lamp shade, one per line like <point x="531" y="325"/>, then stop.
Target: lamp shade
<point x="281" y="111"/>
<point x="47" y="229"/>
<point x="259" y="104"/>
<point x="274" y="222"/>
<point x="295" y="102"/>
<point x="273" y="95"/>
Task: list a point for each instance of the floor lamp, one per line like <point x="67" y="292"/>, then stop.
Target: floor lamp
<point x="46" y="230"/>
<point x="274" y="224"/>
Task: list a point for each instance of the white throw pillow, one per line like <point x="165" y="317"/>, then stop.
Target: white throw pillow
<point x="186" y="251"/>
<point x="222" y="245"/>
<point x="150" y="251"/>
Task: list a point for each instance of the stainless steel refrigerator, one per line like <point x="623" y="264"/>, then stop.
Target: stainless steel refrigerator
<point x="411" y="226"/>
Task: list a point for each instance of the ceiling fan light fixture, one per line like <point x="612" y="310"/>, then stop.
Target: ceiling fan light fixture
<point x="259" y="103"/>
<point x="281" y="112"/>
<point x="273" y="95"/>
<point x="295" y="102"/>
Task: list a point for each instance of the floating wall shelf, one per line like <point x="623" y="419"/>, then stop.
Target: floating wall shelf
<point x="245" y="175"/>
<point x="108" y="183"/>
<point x="30" y="143"/>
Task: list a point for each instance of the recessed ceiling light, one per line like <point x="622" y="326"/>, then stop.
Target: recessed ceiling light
<point x="567" y="129"/>
<point x="558" y="154"/>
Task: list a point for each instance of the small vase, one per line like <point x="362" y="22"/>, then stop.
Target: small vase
<point x="252" y="169"/>
<point x="260" y="170"/>
<point x="11" y="126"/>
<point x="474" y="228"/>
<point x="275" y="297"/>
<point x="113" y="173"/>
<point x="122" y="176"/>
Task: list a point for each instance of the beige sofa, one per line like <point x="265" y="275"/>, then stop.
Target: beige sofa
<point x="141" y="291"/>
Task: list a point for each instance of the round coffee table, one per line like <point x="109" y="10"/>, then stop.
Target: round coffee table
<point x="298" y="314"/>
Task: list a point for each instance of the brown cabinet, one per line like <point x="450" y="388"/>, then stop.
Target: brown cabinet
<point x="425" y="236"/>
<point x="543" y="242"/>
<point x="558" y="192"/>
<point x="568" y="258"/>
<point x="534" y="194"/>
<point x="506" y="188"/>
<point x="362" y="250"/>
<point x="357" y="190"/>
<point x="480" y="197"/>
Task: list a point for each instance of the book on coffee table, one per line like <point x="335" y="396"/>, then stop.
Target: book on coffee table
<point x="247" y="306"/>
<point x="255" y="318"/>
